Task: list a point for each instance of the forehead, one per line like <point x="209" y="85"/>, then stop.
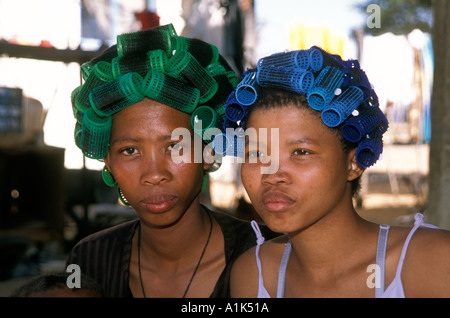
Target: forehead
<point x="293" y="123"/>
<point x="149" y="114"/>
<point x="285" y="117"/>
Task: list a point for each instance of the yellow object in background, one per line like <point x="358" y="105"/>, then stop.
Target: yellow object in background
<point x="303" y="37"/>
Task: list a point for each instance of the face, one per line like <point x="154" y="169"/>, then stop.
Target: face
<point x="313" y="176"/>
<point x="140" y="159"/>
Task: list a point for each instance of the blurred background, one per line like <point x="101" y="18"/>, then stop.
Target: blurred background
<point x="51" y="196"/>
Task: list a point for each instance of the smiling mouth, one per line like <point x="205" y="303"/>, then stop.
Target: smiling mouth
<point x="159" y="203"/>
<point x="277" y="201"/>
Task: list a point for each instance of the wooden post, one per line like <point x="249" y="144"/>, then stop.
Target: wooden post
<point x="438" y="209"/>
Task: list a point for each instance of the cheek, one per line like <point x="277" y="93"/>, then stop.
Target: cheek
<point x="250" y="177"/>
<point x="187" y="169"/>
<point x="318" y="180"/>
<point x="325" y="184"/>
<point x="124" y="171"/>
<point x="186" y="173"/>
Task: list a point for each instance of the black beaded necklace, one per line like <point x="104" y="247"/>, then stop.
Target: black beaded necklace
<point x="196" y="267"/>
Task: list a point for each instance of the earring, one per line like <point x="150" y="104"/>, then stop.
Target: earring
<point x="122" y="197"/>
<point x="215" y="166"/>
<point x="108" y="177"/>
<point x="209" y="156"/>
<point x="205" y="181"/>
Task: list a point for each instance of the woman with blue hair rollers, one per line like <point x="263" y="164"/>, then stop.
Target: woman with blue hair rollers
<point x="330" y="128"/>
<point x="134" y="97"/>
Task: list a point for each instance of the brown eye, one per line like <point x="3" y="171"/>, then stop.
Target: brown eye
<point x="301" y="152"/>
<point x="175" y="146"/>
<point x="128" y="151"/>
<point x="255" y="154"/>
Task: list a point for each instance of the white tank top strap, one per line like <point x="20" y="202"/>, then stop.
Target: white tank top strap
<point x="282" y="270"/>
<point x="418" y="222"/>
<point x="381" y="259"/>
<point x="259" y="237"/>
<point x="262" y="292"/>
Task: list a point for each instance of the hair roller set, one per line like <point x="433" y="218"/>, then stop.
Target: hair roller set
<point x="187" y="74"/>
<point x="338" y="89"/>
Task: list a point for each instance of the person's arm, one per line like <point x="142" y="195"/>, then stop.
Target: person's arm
<point x="426" y="271"/>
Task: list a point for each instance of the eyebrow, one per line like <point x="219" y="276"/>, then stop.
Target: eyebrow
<point x="125" y="139"/>
<point x="137" y="140"/>
<point x="305" y="140"/>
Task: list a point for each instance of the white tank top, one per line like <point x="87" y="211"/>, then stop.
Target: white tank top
<point x="394" y="290"/>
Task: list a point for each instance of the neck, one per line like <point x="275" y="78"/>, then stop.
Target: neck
<point x="176" y="242"/>
<point x="332" y="243"/>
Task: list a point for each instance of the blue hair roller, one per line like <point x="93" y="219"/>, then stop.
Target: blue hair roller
<point x="234" y="111"/>
<point x="369" y="150"/>
<point x="296" y="80"/>
<point x="372" y="100"/>
<point x="247" y="89"/>
<point x="370" y="119"/>
<point x="302" y="82"/>
<point x="357" y="77"/>
<point x="232" y="124"/>
<point x="237" y="145"/>
<point x="338" y="89"/>
<point x="298" y="59"/>
<point x="325" y="85"/>
<point x="221" y="144"/>
<point x="229" y="145"/>
<point x="342" y="106"/>
<point x="315" y="59"/>
<point x="331" y="59"/>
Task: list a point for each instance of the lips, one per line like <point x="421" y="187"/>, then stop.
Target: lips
<point x="159" y="202"/>
<point x="277" y="201"/>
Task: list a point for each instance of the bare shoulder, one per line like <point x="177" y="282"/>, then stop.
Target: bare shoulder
<point x="245" y="274"/>
<point x="432" y="242"/>
<point x="426" y="270"/>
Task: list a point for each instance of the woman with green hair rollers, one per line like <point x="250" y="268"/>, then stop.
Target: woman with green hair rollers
<point x="134" y="96"/>
<point x="329" y="129"/>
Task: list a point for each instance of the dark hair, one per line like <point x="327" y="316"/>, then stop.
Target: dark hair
<point x="271" y="97"/>
<point x="45" y="282"/>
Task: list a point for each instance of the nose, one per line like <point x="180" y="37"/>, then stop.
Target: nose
<point x="280" y="176"/>
<point x="155" y="170"/>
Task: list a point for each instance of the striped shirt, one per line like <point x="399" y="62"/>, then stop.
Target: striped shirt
<point x="105" y="255"/>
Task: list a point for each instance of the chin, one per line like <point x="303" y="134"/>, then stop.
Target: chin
<point x="285" y="223"/>
<point x="277" y="224"/>
<point x="161" y="220"/>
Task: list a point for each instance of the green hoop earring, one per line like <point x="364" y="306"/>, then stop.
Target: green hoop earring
<point x="122" y="197"/>
<point x="205" y="181"/>
<point x="108" y="177"/>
